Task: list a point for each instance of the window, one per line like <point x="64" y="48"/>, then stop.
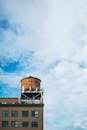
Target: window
<point x="34" y="113"/>
<point x="25" y="124"/>
<point x="25" y="113"/>
<point x="5" y="114"/>
<point x="5" y="123"/>
<point x="14" y="123"/>
<point x="34" y="124"/>
<point x="14" y="114"/>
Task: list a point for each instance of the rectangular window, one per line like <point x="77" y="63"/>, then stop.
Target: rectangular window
<point x="25" y="113"/>
<point x="34" y="113"/>
<point x="5" y="114"/>
<point x="34" y="124"/>
<point x="14" y="123"/>
<point x="5" y="123"/>
<point x="14" y="114"/>
<point x="25" y="124"/>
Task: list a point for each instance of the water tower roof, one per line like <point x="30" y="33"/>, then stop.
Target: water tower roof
<point x="30" y="78"/>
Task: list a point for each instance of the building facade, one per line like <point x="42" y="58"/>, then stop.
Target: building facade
<point x="26" y="112"/>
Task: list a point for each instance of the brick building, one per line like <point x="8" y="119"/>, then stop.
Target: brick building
<point x="26" y="112"/>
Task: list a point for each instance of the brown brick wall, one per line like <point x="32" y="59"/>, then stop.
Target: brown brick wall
<point x="9" y="100"/>
<point x="21" y="108"/>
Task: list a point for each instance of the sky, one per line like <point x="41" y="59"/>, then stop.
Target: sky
<point x="47" y="39"/>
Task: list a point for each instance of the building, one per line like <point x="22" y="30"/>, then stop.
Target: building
<point x="26" y="112"/>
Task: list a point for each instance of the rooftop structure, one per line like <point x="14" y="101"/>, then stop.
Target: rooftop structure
<point x="25" y="112"/>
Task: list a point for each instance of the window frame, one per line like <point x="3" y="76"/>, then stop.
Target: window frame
<point x="5" y="113"/>
<point x="4" y="124"/>
<point x="25" y="124"/>
<point x="34" y="124"/>
<point x="25" y="113"/>
<point x="14" y="113"/>
<point x="35" y="113"/>
<point x="14" y="124"/>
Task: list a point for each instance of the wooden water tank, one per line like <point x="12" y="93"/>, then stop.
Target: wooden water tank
<point x="30" y="83"/>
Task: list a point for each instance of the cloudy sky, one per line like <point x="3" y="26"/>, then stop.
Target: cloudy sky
<point x="47" y="39"/>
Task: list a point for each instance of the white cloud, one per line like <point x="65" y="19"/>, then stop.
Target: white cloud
<point x="54" y="31"/>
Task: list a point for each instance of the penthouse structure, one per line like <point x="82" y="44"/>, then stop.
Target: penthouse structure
<point x="25" y="112"/>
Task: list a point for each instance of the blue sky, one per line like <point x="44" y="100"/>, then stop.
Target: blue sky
<point x="47" y="39"/>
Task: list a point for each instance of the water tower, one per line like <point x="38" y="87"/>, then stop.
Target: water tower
<point x="31" y="92"/>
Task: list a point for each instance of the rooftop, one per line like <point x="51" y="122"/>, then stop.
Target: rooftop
<point x="31" y="77"/>
<point x="9" y="100"/>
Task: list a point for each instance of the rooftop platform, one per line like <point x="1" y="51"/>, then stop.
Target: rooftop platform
<point x="9" y="100"/>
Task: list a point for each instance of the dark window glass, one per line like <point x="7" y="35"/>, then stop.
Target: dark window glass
<point x="5" y="114"/>
<point x="25" y="113"/>
<point x="5" y="123"/>
<point x="14" y="114"/>
<point x="25" y="124"/>
<point x="14" y="123"/>
<point x="34" y="113"/>
<point x="34" y="124"/>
